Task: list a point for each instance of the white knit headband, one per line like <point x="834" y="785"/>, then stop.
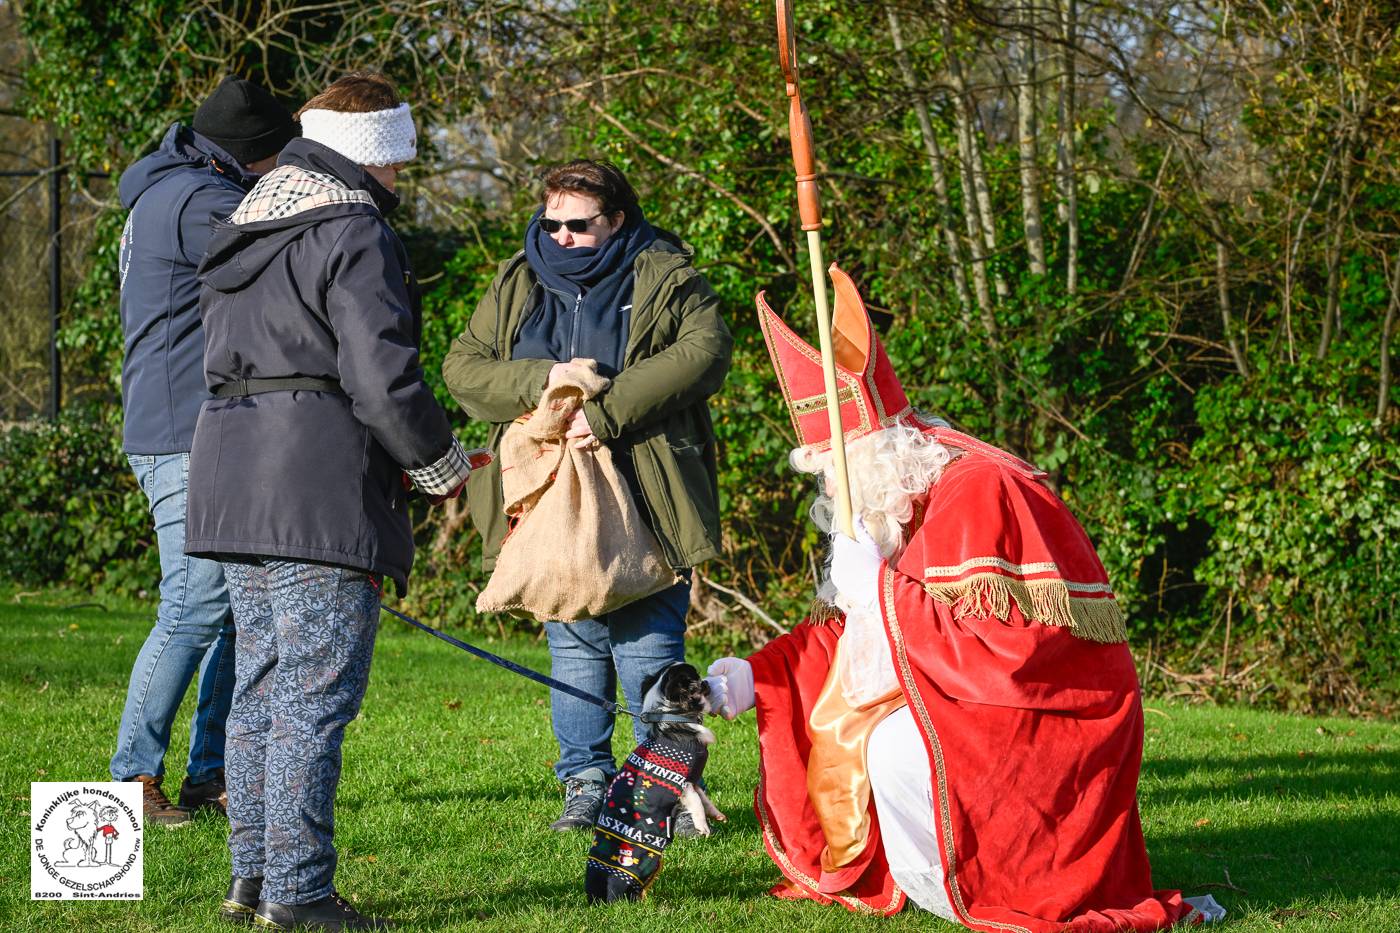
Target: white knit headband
<point x="382" y="137"/>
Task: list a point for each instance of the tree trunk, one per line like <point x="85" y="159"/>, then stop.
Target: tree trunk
<point x="1069" y="186"/>
<point x="937" y="169"/>
<point x="972" y="217"/>
<point x="979" y="181"/>
<point x="1332" y="308"/>
<point x="1027" y="129"/>
<point x="1387" y="330"/>
<point x="1222" y="285"/>
<point x="977" y="197"/>
<point x="1334" y="288"/>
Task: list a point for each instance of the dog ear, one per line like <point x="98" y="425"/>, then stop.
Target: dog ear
<point x="650" y="681"/>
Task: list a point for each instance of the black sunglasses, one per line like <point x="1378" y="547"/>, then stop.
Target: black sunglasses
<point x="575" y="224"/>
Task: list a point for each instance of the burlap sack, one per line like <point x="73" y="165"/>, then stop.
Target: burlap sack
<point x="577" y="548"/>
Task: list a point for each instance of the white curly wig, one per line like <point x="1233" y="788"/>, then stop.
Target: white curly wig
<point x="888" y="470"/>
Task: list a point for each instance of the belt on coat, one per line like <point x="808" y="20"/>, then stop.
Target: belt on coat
<point x="240" y="388"/>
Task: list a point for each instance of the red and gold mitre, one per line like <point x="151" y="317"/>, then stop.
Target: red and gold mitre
<point x="868" y="391"/>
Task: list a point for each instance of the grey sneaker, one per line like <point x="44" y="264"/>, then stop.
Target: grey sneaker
<point x="583" y="798"/>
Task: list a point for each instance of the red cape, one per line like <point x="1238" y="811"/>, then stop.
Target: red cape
<point x="1033" y="729"/>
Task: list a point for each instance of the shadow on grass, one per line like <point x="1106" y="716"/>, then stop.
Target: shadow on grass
<point x="71" y="662"/>
<point x="463" y="795"/>
<point x="1331" y="843"/>
<point x="1279" y="865"/>
<point x="676" y="886"/>
<point x="1320" y="775"/>
<point x="434" y="909"/>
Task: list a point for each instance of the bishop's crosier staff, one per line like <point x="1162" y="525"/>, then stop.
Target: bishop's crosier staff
<point x="810" y="209"/>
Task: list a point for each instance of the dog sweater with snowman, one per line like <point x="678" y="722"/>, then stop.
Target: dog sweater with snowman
<point x="635" y="825"/>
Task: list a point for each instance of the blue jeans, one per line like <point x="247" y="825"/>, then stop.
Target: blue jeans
<point x="305" y="642"/>
<point x="193" y="631"/>
<point x="628" y="644"/>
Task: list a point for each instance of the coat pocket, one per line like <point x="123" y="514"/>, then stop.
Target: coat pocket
<point x="678" y="485"/>
<point x="699" y="515"/>
<point x="485" y="500"/>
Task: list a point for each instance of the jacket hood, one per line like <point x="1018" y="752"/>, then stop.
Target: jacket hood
<point x="311" y="184"/>
<point x="181" y="148"/>
<point x="669" y="249"/>
<point x="318" y="157"/>
<point x="670" y="243"/>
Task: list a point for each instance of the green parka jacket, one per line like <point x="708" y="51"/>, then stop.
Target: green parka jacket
<point x="677" y="356"/>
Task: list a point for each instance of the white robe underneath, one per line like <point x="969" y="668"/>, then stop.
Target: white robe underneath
<point x="902" y="784"/>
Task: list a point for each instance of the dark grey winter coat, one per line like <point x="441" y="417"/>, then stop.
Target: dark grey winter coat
<point x="308" y="280"/>
<point x="173" y="194"/>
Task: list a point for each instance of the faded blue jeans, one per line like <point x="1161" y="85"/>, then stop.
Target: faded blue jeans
<point x="193" y="631"/>
<point x="626" y="645"/>
<point x="305" y="642"/>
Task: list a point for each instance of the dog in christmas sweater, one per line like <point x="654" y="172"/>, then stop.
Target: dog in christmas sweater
<point x="660" y="777"/>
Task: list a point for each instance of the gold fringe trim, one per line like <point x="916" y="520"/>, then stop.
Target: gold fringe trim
<point x="1045" y="601"/>
<point x="821" y="612"/>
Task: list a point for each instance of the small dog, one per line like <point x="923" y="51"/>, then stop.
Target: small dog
<point x="659" y="778"/>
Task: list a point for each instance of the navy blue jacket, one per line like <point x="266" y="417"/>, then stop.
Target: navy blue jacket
<point x="173" y="195"/>
<point x="309" y="281"/>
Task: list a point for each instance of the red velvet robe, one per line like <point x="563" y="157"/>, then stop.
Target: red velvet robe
<point x="1033" y="729"/>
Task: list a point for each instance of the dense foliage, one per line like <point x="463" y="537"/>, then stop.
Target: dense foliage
<point x="73" y="511"/>
<point x="1151" y="247"/>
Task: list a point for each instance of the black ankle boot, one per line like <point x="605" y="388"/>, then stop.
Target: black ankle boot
<point x="331" y="912"/>
<point x="207" y="795"/>
<point x="241" y="901"/>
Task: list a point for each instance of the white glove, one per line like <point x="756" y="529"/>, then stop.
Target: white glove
<point x="736" y="678"/>
<point x="855" y="567"/>
<point x="1208" y="906"/>
<point x="716" y="695"/>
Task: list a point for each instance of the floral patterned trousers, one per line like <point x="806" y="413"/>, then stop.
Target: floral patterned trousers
<point x="305" y="640"/>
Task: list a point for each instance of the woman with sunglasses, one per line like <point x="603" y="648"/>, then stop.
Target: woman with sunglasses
<point x="597" y="281"/>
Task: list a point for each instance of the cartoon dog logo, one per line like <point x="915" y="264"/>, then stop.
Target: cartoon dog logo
<point x="87" y="841"/>
<point x="83" y="822"/>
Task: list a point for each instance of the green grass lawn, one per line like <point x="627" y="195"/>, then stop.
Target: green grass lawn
<point x="1291" y="823"/>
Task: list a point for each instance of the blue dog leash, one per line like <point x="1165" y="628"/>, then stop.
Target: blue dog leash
<point x="539" y="678"/>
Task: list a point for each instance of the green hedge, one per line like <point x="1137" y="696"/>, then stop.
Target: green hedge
<point x="73" y="513"/>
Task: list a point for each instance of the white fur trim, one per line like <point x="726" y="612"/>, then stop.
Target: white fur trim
<point x="381" y="137"/>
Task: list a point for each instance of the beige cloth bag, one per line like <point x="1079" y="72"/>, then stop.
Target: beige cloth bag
<point x="578" y="547"/>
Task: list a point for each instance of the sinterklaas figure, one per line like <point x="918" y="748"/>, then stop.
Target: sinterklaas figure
<point x="968" y="729"/>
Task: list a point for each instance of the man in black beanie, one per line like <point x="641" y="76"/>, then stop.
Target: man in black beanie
<point x="197" y="174"/>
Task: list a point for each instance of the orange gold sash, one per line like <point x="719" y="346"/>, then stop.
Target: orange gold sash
<point x="838" y="783"/>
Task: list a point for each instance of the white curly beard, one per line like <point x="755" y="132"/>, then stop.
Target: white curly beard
<point x="888" y="470"/>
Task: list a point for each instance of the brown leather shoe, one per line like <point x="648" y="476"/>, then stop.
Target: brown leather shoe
<point x="156" y="806"/>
